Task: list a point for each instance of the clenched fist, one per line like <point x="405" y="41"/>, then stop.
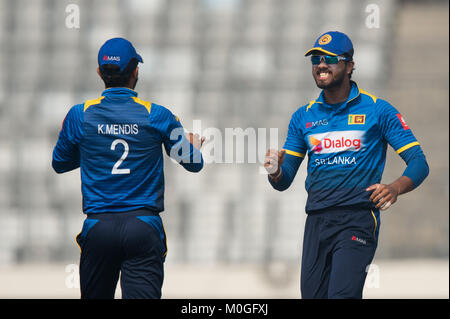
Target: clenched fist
<point x="273" y="161"/>
<point x="383" y="195"/>
<point x="195" y="140"/>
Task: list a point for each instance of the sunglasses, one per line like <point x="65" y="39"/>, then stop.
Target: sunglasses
<point x="316" y="59"/>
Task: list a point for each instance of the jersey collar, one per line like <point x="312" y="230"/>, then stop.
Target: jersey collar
<point x="119" y="92"/>
<point x="354" y="93"/>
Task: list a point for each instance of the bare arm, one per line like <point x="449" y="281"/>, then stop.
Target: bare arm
<point x="385" y="195"/>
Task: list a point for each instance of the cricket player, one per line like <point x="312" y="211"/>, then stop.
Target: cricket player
<point x="345" y="132"/>
<point x="116" y="140"/>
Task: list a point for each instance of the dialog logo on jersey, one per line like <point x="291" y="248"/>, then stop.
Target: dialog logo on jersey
<point x="334" y="142"/>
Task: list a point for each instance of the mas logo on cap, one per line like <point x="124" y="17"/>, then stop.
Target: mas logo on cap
<point x="325" y="39"/>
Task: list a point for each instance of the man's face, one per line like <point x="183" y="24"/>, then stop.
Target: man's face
<point x="328" y="76"/>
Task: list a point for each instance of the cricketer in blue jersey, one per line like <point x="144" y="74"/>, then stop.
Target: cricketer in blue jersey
<point x="117" y="141"/>
<point x="345" y="132"/>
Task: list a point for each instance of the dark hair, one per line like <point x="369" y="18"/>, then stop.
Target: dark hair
<point x="111" y="75"/>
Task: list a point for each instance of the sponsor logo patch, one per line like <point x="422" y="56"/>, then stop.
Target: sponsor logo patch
<point x="334" y="142"/>
<point x="362" y="241"/>
<point x="111" y="58"/>
<point x="316" y="123"/>
<point x="402" y="120"/>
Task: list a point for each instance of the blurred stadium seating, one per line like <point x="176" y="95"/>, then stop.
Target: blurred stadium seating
<point x="228" y="63"/>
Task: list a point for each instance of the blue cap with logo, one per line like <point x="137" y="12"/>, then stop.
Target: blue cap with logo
<point x="333" y="43"/>
<point x="118" y="51"/>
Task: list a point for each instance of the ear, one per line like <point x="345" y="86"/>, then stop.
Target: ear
<point x="136" y="72"/>
<point x="98" y="72"/>
<point x="350" y="66"/>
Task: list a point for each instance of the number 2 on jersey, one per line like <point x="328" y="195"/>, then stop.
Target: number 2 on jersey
<point x="116" y="169"/>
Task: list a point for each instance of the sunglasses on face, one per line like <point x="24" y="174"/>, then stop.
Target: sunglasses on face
<point x="316" y="59"/>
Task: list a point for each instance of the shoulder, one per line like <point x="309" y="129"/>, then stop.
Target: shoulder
<point x="75" y="112"/>
<point x="157" y="112"/>
<point x="368" y="97"/>
<point x="383" y="107"/>
<point x="298" y="115"/>
<point x="161" y="114"/>
<point x="88" y="103"/>
<point x="379" y="103"/>
<point x="147" y="104"/>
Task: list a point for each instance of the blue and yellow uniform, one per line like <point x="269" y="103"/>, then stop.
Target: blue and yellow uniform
<point x="346" y="145"/>
<point x="117" y="140"/>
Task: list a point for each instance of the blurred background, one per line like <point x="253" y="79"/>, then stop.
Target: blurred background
<point x="230" y="64"/>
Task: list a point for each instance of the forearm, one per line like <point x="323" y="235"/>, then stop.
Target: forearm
<point x="65" y="158"/>
<point x="195" y="164"/>
<point x="282" y="179"/>
<point x="187" y="155"/>
<point x="415" y="173"/>
<point x="402" y="185"/>
<point x="63" y="167"/>
<point x="417" y="170"/>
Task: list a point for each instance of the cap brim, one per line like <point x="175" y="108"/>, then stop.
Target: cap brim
<point x="139" y="58"/>
<point x="321" y="50"/>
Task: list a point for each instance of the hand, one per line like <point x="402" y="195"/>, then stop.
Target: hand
<point x="195" y="140"/>
<point x="273" y="161"/>
<point x="383" y="195"/>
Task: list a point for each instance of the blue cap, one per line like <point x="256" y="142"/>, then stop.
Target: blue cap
<point x="118" y="51"/>
<point x="333" y="43"/>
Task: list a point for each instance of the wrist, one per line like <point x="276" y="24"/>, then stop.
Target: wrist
<point x="276" y="176"/>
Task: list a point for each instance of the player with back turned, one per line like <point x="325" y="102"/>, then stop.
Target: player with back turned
<point x="116" y="141"/>
<point x="345" y="132"/>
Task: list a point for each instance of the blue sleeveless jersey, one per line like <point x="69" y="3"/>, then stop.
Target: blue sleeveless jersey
<point x="117" y="142"/>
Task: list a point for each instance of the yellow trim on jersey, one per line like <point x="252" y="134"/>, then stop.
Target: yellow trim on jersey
<point x="89" y="103"/>
<point x="374" y="98"/>
<point x="321" y="50"/>
<point x="295" y="153"/>
<point x="76" y="237"/>
<point x="310" y="104"/>
<point x="376" y="223"/>
<point x="404" y="148"/>
<point x="148" y="105"/>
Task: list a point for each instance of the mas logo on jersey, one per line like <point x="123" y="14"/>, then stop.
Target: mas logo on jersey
<point x="356" y="119"/>
<point x="111" y="58"/>
<point x="316" y="123"/>
<point x="402" y="120"/>
<point x="334" y="142"/>
<point x="360" y="240"/>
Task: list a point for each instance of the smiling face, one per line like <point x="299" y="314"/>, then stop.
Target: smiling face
<point x="329" y="76"/>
